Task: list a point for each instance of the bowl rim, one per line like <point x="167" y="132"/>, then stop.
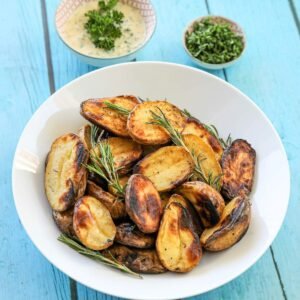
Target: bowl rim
<point x="210" y="65"/>
<point x="141" y="46"/>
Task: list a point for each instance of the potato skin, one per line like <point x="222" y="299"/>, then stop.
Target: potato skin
<point x="65" y="174"/>
<point x="207" y="201"/>
<point x="238" y="164"/>
<point x="231" y="228"/>
<point x="177" y="245"/>
<point x="138" y="260"/>
<point x="93" y="224"/>
<point x="167" y="167"/>
<point x="64" y="221"/>
<point x="148" y="134"/>
<point x="129" y="235"/>
<point x="143" y="203"/>
<point x="96" y="111"/>
<point x="84" y="134"/>
<point x="115" y="207"/>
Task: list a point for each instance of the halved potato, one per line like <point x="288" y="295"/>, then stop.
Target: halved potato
<point x="123" y="181"/>
<point x="207" y="201"/>
<point x="149" y="134"/>
<point x="204" y="152"/>
<point x="231" y="228"/>
<point x="84" y="133"/>
<point x="129" y="235"/>
<point x="167" y="167"/>
<point x="65" y="174"/>
<point x="115" y="206"/>
<point x="143" y="203"/>
<point x="177" y="244"/>
<point x="238" y="164"/>
<point x="93" y="224"/>
<point x="137" y="260"/>
<point x="64" y="221"/>
<point x="195" y="127"/>
<point x="96" y="111"/>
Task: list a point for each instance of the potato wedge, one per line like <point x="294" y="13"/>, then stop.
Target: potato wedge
<point x="167" y="167"/>
<point x="64" y="221"/>
<point x="231" y="228"/>
<point x="143" y="203"/>
<point x="84" y="134"/>
<point x="238" y="164"/>
<point x="129" y="235"/>
<point x="96" y="111"/>
<point x="115" y="207"/>
<point x="201" y="149"/>
<point x="177" y="245"/>
<point x="123" y="181"/>
<point x="149" y="134"/>
<point x="138" y="260"/>
<point x="195" y="127"/>
<point x="207" y="201"/>
<point x="93" y="224"/>
<point x="65" y="175"/>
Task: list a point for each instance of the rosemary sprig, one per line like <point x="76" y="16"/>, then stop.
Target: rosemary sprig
<point x="117" y="108"/>
<point x="94" y="135"/>
<point x="214" y="131"/>
<point x="96" y="255"/>
<point x="187" y="113"/>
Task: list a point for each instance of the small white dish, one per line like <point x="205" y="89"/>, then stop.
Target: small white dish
<point x="216" y="19"/>
<point x="208" y="98"/>
<point x="67" y="7"/>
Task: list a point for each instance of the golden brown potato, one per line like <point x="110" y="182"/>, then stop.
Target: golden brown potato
<point x="195" y="127"/>
<point x="201" y="149"/>
<point x="207" y="201"/>
<point x="177" y="245"/>
<point x="164" y="198"/>
<point x="167" y="167"/>
<point x="84" y="134"/>
<point x="64" y="221"/>
<point x="143" y="203"/>
<point x="129" y="235"/>
<point x="115" y="206"/>
<point x="149" y="134"/>
<point x="96" y="111"/>
<point x="123" y="181"/>
<point x="93" y="224"/>
<point x="231" y="228"/>
<point x="65" y="174"/>
<point x="238" y="164"/>
<point x="138" y="260"/>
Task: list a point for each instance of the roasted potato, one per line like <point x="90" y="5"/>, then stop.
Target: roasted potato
<point x="205" y="153"/>
<point x="115" y="207"/>
<point x="177" y="244"/>
<point x="123" y="181"/>
<point x="143" y="203"/>
<point x="64" y="221"/>
<point x="147" y="149"/>
<point x="167" y="167"/>
<point x="93" y="224"/>
<point x="65" y="174"/>
<point x="238" y="164"/>
<point x="129" y="235"/>
<point x="144" y="133"/>
<point x="84" y="133"/>
<point x="164" y="197"/>
<point x="195" y="127"/>
<point x="231" y="228"/>
<point x="138" y="260"/>
<point x="97" y="112"/>
<point x="207" y="201"/>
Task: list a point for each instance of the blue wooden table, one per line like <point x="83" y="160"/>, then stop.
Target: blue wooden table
<point x="34" y="63"/>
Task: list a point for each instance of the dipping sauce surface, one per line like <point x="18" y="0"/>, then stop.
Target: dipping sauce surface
<point x="133" y="32"/>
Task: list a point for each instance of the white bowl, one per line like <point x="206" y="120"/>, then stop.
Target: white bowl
<point x="208" y="98"/>
<point x="67" y="7"/>
<point x="216" y="19"/>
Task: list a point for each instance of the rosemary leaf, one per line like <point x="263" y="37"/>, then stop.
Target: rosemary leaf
<point x="117" y="108"/>
<point x="214" y="132"/>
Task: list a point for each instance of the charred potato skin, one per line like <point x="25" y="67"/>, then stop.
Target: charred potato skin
<point x="143" y="203"/>
<point x="64" y="221"/>
<point x="128" y="235"/>
<point x="206" y="200"/>
<point x="138" y="260"/>
<point x="177" y="245"/>
<point x="232" y="227"/>
<point x="76" y="176"/>
<point x="115" y="207"/>
<point x="238" y="164"/>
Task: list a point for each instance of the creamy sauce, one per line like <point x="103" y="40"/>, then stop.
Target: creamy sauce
<point x="133" y="32"/>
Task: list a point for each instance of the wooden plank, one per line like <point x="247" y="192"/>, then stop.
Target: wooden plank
<point x="24" y="272"/>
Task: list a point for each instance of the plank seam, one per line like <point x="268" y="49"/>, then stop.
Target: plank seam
<point x="295" y="15"/>
<point x="73" y="289"/>
<point x="207" y="6"/>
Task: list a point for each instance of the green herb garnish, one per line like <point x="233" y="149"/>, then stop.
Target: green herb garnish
<point x="117" y="108"/>
<point x="104" y="24"/>
<point x="214" y="43"/>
